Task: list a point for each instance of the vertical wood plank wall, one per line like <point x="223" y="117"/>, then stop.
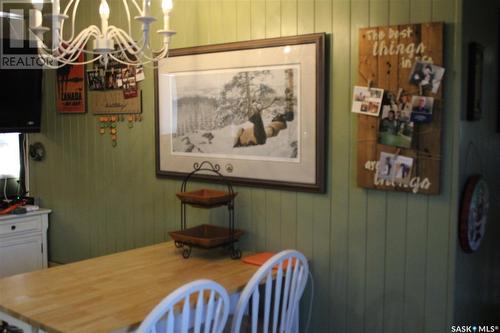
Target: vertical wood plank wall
<point x="381" y="261"/>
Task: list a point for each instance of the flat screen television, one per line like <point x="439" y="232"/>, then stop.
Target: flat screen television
<point x="20" y="88"/>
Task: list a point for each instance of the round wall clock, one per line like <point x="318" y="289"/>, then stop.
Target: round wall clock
<point x="474" y="213"/>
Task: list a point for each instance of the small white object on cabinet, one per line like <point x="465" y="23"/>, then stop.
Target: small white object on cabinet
<point x="23" y="242"/>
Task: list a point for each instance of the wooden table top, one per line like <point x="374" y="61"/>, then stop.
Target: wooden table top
<point x="113" y="292"/>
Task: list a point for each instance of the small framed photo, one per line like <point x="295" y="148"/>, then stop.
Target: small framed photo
<point x="386" y="167"/>
<point x="139" y="73"/>
<point x="402" y="169"/>
<point x="396" y="127"/>
<point x="421" y="109"/>
<point x="367" y="100"/>
<point x="475" y="81"/>
<point x="129" y="83"/>
<point x="427" y="76"/>
<point x="395" y="168"/>
<point x="110" y="80"/>
<point x="95" y="80"/>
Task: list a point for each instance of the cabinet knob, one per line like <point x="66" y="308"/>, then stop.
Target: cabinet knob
<point x="13" y="227"/>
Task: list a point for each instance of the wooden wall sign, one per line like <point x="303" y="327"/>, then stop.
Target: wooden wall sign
<point x="388" y="58"/>
<point x="70" y="95"/>
<point x="113" y="102"/>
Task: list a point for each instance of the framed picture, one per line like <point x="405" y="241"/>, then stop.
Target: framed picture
<point x="256" y="108"/>
<point x="475" y="82"/>
<point x="70" y="88"/>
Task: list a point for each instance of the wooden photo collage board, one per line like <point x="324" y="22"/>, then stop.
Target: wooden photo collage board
<point x="404" y="157"/>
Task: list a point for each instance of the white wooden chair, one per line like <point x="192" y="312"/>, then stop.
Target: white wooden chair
<point x="209" y="315"/>
<point x="280" y="311"/>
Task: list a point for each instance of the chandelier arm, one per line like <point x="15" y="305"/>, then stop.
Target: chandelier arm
<point x="63" y="63"/>
<point x="161" y="53"/>
<point x="129" y="63"/>
<point x="127" y="11"/>
<point x="146" y="63"/>
<point x="125" y="42"/>
<point x="125" y="55"/>
<point x="48" y="56"/>
<point x="122" y="53"/>
<point x="77" y="46"/>
<point x="40" y="44"/>
<point x="81" y="63"/>
<point x="66" y="9"/>
<point x="137" y="6"/>
<point x="88" y="32"/>
<point x="85" y="34"/>
<point x="129" y="39"/>
<point x="73" y="19"/>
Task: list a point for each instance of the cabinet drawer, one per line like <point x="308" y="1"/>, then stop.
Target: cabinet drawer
<point x="28" y="224"/>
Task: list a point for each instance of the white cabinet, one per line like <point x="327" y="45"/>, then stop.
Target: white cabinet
<point x="23" y="242"/>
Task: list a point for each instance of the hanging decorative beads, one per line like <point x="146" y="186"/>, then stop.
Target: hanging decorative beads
<point x="111" y="123"/>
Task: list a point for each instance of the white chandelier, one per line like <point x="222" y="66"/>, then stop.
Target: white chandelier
<point x="110" y="42"/>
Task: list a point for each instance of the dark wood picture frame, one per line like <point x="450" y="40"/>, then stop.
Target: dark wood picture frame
<point x="318" y="40"/>
<point x="475" y="82"/>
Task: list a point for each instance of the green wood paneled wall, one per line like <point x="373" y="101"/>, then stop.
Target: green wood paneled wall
<point x="382" y="262"/>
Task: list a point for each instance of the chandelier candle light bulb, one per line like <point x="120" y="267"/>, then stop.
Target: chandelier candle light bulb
<point x="166" y="5"/>
<point x="56" y="7"/>
<point x="36" y="19"/>
<point x="104" y="13"/>
<point x="146" y="8"/>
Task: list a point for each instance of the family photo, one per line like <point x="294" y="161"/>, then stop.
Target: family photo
<point x="237" y="113"/>
<point x="395" y="168"/>
<point x="367" y="100"/>
<point x="427" y="76"/>
<point x="396" y="127"/>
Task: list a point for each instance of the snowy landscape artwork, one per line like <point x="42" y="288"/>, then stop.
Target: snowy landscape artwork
<point x="244" y="113"/>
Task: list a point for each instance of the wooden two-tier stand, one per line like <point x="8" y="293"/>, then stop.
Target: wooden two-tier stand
<point x="207" y="236"/>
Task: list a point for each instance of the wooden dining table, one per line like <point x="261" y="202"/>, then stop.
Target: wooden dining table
<point x="112" y="293"/>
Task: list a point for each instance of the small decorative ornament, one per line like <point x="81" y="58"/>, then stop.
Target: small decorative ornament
<point x="111" y="124"/>
<point x="37" y="151"/>
<point x="474" y="213"/>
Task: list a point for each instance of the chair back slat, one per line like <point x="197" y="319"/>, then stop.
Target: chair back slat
<point x="186" y="314"/>
<point x="255" y="310"/>
<point x="218" y="309"/>
<point x="170" y="322"/>
<point x="190" y="319"/>
<point x="293" y="295"/>
<point x="268" y="296"/>
<point x="277" y="296"/>
<point x="198" y="320"/>
<point x="210" y="311"/>
<point x="280" y="307"/>
<point x="286" y="295"/>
